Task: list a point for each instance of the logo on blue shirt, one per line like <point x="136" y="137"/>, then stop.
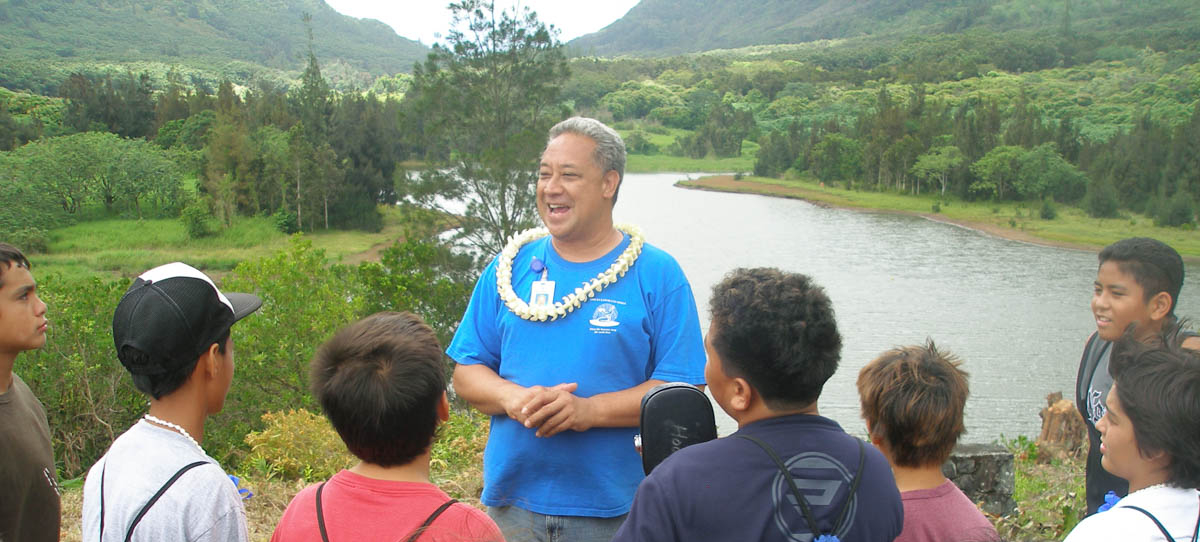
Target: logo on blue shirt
<point x="605" y="316"/>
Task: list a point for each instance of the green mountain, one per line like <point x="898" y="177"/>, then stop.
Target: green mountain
<point x="42" y="41"/>
<point x="671" y="27"/>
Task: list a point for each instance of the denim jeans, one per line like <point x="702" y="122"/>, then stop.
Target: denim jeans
<point x="520" y="525"/>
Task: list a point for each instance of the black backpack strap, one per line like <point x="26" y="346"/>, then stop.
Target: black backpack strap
<point x="800" y="500"/>
<point x="103" y="469"/>
<point x="1087" y="365"/>
<point x="429" y="521"/>
<point x="321" y="514"/>
<point x="1155" y="520"/>
<point x="141" y="513"/>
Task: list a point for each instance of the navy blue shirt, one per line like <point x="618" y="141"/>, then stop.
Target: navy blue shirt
<point x="730" y="489"/>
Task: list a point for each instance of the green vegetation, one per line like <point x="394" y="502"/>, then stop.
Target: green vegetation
<point x="1049" y="492"/>
<point x="306" y="297"/>
<point x="207" y="40"/>
<point x="673" y="27"/>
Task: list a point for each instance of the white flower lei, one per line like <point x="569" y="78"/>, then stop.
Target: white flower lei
<point x="573" y="300"/>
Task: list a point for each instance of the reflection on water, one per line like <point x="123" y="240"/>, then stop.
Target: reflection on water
<point x="1017" y="314"/>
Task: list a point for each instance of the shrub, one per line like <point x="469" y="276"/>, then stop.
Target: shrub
<point x="285" y="221"/>
<point x="31" y="240"/>
<point x="1049" y="211"/>
<point x="1100" y="201"/>
<point x="937" y="207"/>
<point x="197" y="219"/>
<point x="296" y="445"/>
<point x="1177" y="211"/>
<point x="637" y="143"/>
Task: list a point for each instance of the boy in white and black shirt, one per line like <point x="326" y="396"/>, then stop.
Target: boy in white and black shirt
<point x="171" y="330"/>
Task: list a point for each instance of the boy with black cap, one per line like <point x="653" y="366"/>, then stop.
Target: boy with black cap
<point x="171" y="330"/>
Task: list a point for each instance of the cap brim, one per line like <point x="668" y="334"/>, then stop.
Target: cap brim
<point x="243" y="304"/>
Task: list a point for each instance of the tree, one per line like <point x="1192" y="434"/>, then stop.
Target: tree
<point x="997" y="171"/>
<point x="490" y="94"/>
<point x="1043" y="172"/>
<point x="938" y="163"/>
<point x="837" y="157"/>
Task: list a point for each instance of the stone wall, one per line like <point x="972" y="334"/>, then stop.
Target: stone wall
<point x="985" y="473"/>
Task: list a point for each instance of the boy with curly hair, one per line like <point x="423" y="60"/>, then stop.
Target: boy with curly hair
<point x="772" y="345"/>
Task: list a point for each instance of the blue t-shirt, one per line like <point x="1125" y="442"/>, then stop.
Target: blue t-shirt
<point x="644" y="326"/>
<point x="730" y="489"/>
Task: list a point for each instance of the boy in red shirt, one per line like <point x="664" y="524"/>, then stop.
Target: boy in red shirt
<point x="382" y="384"/>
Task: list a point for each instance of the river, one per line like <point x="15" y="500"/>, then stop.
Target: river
<point x="1016" y="313"/>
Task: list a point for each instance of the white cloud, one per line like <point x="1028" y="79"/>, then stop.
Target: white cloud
<point x="427" y="20"/>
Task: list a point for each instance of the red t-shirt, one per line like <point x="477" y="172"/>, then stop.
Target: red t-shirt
<point x="943" y="513"/>
<point x="359" y="508"/>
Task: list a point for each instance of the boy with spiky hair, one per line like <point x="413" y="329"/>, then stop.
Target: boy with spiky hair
<point x="382" y="384"/>
<point x="1150" y="437"/>
<point x="1137" y="286"/>
<point x="772" y="345"/>
<point x="29" y="504"/>
<point x="912" y="400"/>
<point x="171" y="330"/>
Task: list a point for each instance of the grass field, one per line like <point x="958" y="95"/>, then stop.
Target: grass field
<point x="1072" y="227"/>
<point x="649" y="163"/>
<point x="123" y="248"/>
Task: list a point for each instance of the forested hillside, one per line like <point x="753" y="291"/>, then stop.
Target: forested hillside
<point x="671" y="27"/>
<point x="43" y="41"/>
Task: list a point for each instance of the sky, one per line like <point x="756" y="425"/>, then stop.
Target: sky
<point x="426" y="20"/>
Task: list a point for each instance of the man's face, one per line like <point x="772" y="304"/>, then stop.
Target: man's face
<point x="574" y="193"/>
<point x="1118" y="301"/>
<point x="23" y="320"/>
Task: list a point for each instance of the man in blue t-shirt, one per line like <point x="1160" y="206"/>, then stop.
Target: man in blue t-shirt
<point x="787" y="474"/>
<point x="564" y="334"/>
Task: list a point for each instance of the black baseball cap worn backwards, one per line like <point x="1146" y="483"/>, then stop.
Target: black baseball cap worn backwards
<point x="174" y="313"/>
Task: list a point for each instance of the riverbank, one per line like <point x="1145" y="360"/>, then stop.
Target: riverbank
<point x="1072" y="228"/>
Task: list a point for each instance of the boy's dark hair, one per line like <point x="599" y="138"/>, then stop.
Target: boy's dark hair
<point x="159" y="384"/>
<point x="776" y="330"/>
<point x="1153" y="264"/>
<point x="379" y="381"/>
<point x="913" y="398"/>
<point x="1158" y="384"/>
<point x="11" y="256"/>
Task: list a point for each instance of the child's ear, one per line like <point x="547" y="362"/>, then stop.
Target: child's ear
<point x="1160" y="306"/>
<point x="443" y="408"/>
<point x="210" y="360"/>
<point x="743" y="395"/>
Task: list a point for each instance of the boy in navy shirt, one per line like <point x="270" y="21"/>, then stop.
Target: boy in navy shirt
<point x="787" y="473"/>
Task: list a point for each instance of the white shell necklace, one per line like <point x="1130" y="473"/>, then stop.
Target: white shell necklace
<point x="176" y="427"/>
<point x="573" y="300"/>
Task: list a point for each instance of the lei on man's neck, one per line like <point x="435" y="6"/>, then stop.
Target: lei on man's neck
<point x="575" y="299"/>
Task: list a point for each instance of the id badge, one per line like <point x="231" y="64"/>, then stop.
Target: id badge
<point x="542" y="294"/>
